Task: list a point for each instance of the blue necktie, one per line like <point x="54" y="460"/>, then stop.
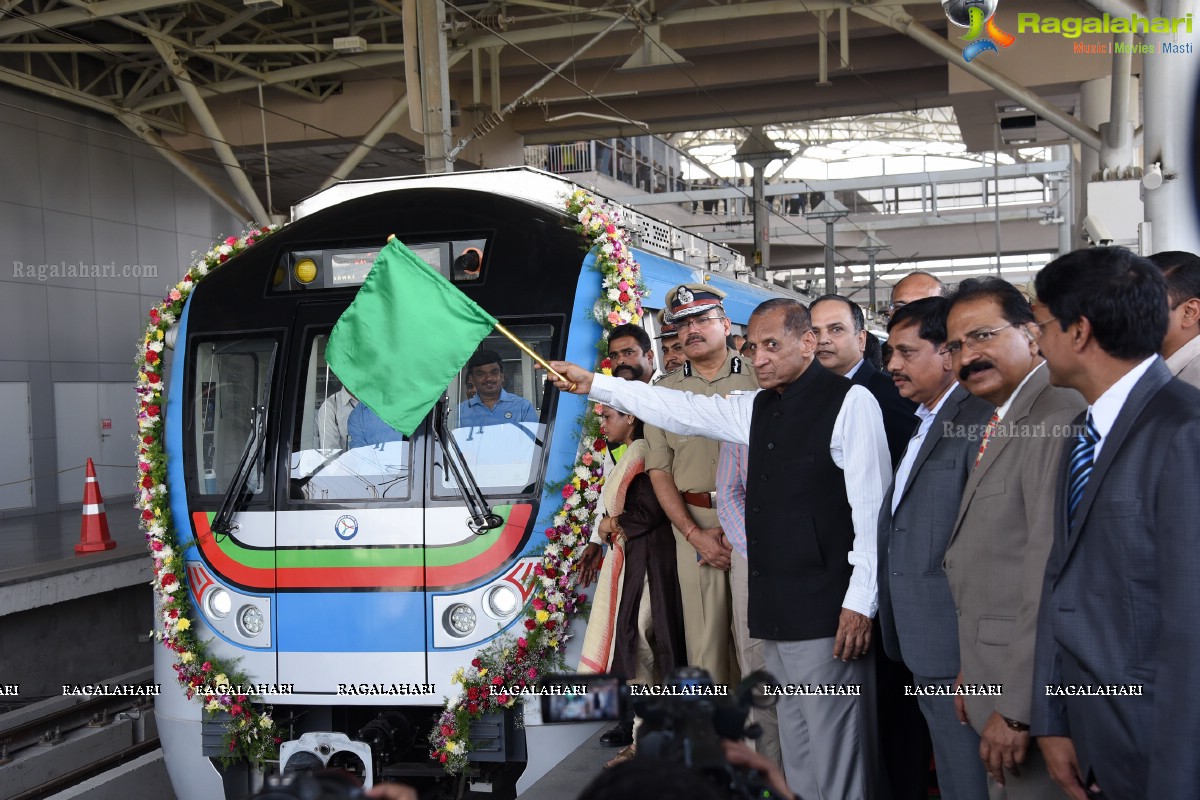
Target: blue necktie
<point x="1080" y="466"/>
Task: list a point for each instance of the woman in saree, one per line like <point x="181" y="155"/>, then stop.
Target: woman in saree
<point x="635" y="629"/>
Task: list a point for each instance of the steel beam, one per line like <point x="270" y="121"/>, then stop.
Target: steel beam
<point x="901" y="21"/>
<point x="213" y="131"/>
<point x="81" y="12"/>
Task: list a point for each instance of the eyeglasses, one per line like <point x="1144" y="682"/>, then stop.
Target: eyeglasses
<point x="1041" y="326"/>
<point x="906" y="353"/>
<point x="698" y="322"/>
<point x="974" y="340"/>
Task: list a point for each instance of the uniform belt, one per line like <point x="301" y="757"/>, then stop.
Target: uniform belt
<point x="700" y="499"/>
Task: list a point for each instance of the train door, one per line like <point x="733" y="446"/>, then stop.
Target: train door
<point x="350" y="532"/>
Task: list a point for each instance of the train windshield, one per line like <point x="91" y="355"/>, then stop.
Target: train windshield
<point x="231" y="382"/>
<point x="345" y="451"/>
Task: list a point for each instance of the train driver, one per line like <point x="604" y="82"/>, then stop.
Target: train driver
<point x="492" y="404"/>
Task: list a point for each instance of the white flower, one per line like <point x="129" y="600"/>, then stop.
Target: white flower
<point x="171" y="589"/>
<point x="582" y="473"/>
<point x="614" y="294"/>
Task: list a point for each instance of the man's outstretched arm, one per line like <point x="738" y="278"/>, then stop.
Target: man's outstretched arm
<point x="721" y="418"/>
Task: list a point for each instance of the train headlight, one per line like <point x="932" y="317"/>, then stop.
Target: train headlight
<point x="219" y="603"/>
<point x="305" y="271"/>
<point x="251" y="620"/>
<point x="501" y="601"/>
<point x="459" y="619"/>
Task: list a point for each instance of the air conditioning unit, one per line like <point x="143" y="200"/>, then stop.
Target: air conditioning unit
<point x="263" y="3"/>
<point x="350" y="44"/>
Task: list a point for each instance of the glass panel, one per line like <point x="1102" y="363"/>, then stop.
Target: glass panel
<point x="342" y="450"/>
<point x="232" y="378"/>
<point x="496" y="415"/>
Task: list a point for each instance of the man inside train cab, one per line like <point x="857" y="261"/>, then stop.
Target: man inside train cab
<point x="492" y="404"/>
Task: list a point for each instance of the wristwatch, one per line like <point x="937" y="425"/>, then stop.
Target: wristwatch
<point x="1020" y="727"/>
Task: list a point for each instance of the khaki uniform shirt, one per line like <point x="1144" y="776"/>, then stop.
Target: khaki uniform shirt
<point x="692" y="460"/>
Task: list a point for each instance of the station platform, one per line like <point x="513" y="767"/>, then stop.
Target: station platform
<point x="44" y="539"/>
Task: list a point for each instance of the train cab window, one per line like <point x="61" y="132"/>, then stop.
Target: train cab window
<point x="341" y="449"/>
<point x="496" y="414"/>
<point x="231" y="380"/>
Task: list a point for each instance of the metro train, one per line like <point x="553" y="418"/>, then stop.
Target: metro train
<point x="350" y="567"/>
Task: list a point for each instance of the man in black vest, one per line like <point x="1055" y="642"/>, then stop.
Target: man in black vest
<point x="817" y="469"/>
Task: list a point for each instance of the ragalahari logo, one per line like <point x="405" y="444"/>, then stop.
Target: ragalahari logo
<point x="979" y="18"/>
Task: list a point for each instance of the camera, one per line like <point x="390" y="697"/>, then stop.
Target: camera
<point x="683" y="720"/>
<point x="321" y="785"/>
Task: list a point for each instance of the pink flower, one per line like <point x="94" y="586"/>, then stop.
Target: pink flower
<point x="232" y="240"/>
<point x="614" y="318"/>
<point x="174" y="294"/>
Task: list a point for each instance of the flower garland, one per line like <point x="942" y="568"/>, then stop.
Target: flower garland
<point x="250" y="734"/>
<point x="522" y="662"/>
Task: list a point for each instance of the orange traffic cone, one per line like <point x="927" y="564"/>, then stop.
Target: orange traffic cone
<point x="93" y="534"/>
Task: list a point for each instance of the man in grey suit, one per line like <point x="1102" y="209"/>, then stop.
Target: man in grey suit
<point x="1181" y="344"/>
<point x="1121" y="592"/>
<point x="916" y="612"/>
<point x="1000" y="541"/>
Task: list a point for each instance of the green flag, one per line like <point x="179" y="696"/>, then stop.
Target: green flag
<point x="404" y="338"/>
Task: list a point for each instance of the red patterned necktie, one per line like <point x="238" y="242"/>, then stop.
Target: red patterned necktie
<point x="987" y="434"/>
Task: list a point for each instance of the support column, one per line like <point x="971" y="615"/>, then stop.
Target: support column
<point x="1169" y="91"/>
<point x="435" y="85"/>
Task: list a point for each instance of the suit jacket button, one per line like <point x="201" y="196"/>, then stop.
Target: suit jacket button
<point x="755" y="509"/>
<point x="764" y="478"/>
<point x="770" y="445"/>
<point x="775" y="414"/>
<point x="754" y="573"/>
<point x="754" y="541"/>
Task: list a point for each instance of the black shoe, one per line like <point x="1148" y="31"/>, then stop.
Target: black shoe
<point x="619" y="736"/>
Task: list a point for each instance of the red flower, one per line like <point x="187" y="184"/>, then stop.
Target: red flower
<point x="550" y="624"/>
<point x="539" y="603"/>
<point x="147" y="482"/>
<point x="447" y="731"/>
<point x="241" y="698"/>
<point x="235" y="709"/>
<point x="153" y="410"/>
<point x="277" y="740"/>
<point x="606" y="363"/>
<point x="472" y="708"/>
<point x="441" y="756"/>
<point x="167" y="580"/>
<point x="624" y="297"/>
<point x="206" y="666"/>
<point x="599" y="444"/>
<point x="551" y="572"/>
<point x="476" y="663"/>
<point x="530" y="624"/>
<point x="223" y="258"/>
<point x="568" y="490"/>
<point x="151" y="357"/>
<point x="521" y="643"/>
<point x="532" y="673"/>
<point x="147" y="515"/>
<point x="153" y="377"/>
<point x="496" y="681"/>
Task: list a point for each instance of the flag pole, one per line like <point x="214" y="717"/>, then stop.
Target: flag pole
<point x="529" y="352"/>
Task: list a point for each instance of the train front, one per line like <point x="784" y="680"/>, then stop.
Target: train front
<point x="329" y="559"/>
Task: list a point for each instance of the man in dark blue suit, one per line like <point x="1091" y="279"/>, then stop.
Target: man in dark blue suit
<point x="841" y="344"/>
<point x="904" y="745"/>
<point x="916" y="611"/>
<point x="1118" y="650"/>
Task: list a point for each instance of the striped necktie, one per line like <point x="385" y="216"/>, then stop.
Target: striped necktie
<point x="1079" y="468"/>
<point x="987" y="434"/>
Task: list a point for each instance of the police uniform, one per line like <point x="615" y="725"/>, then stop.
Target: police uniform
<point x="692" y="463"/>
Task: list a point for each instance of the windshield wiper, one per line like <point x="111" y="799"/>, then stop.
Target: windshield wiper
<point x="482" y="518"/>
<point x="241" y="477"/>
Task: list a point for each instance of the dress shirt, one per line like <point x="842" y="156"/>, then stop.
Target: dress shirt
<point x="1108" y="405"/>
<point x="731" y="494"/>
<point x="509" y="408"/>
<point x="850" y="373"/>
<point x="914" y="445"/>
<point x="1003" y="409"/>
<point x="364" y="427"/>
<point x="858" y="447"/>
<point x="332" y="418"/>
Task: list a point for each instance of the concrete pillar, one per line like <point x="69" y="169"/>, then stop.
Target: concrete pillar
<point x="1169" y="91"/>
<point x="435" y="85"/>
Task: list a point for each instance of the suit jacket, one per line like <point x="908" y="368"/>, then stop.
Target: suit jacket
<point x="916" y="611"/>
<point x="1184" y="364"/>
<point x="997" y="554"/>
<point x="899" y="413"/>
<point x="1120" y="600"/>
